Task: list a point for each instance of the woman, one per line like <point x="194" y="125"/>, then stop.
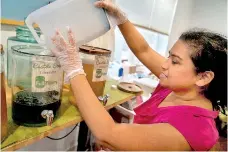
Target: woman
<point x="179" y="115"/>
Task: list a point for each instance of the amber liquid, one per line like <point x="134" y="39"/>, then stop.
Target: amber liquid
<point x="98" y="87"/>
<point x="3" y="109"/>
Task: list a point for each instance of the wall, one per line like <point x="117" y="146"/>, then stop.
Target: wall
<point x="106" y="41"/>
<point x="6" y="31"/>
<point x="210" y="14"/>
<point x="181" y="20"/>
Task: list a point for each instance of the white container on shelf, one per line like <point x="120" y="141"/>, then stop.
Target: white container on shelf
<point x="86" y="21"/>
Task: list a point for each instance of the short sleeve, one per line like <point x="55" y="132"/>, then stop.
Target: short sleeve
<point x="199" y="131"/>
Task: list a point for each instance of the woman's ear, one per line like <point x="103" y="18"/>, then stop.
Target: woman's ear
<point x="204" y="78"/>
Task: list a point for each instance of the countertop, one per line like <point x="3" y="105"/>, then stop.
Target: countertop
<point x="68" y="115"/>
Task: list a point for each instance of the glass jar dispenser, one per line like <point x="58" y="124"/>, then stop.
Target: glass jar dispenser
<point x="36" y="86"/>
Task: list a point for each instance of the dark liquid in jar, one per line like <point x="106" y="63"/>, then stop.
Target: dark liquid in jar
<point x="28" y="106"/>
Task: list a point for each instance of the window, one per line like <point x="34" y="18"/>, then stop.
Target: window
<point x="154" y="14"/>
<point x="157" y="41"/>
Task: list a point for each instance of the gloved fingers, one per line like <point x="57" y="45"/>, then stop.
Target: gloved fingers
<point x="104" y="4"/>
<point x="56" y="42"/>
<point x="71" y="37"/>
<point x="61" y="39"/>
<point x="56" y="52"/>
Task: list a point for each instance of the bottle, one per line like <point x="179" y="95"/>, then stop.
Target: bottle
<point x="125" y="65"/>
<point x="120" y="72"/>
<point x="3" y="99"/>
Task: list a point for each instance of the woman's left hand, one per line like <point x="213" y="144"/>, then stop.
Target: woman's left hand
<point x="67" y="54"/>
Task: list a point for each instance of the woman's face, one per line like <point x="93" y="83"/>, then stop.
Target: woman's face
<point x="178" y="72"/>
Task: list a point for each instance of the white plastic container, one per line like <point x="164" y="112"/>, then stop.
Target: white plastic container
<point x="86" y="21"/>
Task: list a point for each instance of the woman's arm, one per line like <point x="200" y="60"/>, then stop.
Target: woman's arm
<point x="122" y="136"/>
<point x="92" y="111"/>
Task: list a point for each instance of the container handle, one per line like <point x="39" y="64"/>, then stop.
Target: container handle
<point x="29" y="23"/>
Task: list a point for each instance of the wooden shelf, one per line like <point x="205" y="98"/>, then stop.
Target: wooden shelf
<point x="20" y="136"/>
<point x="11" y="22"/>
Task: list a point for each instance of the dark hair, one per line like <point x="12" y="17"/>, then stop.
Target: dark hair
<point x="209" y="53"/>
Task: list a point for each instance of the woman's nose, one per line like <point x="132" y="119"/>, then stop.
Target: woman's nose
<point x="165" y="65"/>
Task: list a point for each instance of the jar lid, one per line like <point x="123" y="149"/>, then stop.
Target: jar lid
<point x="25" y="28"/>
<point x="129" y="87"/>
<point x="93" y="50"/>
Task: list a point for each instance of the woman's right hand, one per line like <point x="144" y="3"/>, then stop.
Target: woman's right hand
<point x="116" y="14"/>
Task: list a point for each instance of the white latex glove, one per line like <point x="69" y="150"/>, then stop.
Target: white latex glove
<point x="116" y="15"/>
<point x="67" y="54"/>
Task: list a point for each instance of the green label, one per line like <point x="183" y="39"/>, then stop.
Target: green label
<point x="100" y="68"/>
<point x="47" y="74"/>
<point x="40" y="81"/>
<point x="99" y="73"/>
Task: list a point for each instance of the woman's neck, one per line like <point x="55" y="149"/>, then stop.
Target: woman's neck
<point x="187" y="95"/>
<point x="192" y="97"/>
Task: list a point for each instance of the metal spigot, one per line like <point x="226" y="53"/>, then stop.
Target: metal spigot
<point x="104" y="99"/>
<point x="48" y="115"/>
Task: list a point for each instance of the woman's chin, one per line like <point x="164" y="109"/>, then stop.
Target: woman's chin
<point x="162" y="82"/>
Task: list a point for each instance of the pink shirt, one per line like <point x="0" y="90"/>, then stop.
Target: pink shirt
<point x="196" y="124"/>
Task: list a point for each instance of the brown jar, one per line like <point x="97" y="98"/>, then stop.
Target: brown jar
<point x="95" y="63"/>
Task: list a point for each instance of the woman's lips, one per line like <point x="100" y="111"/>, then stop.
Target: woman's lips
<point x="162" y="76"/>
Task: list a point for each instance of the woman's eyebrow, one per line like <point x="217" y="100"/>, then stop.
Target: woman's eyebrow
<point x="174" y="55"/>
